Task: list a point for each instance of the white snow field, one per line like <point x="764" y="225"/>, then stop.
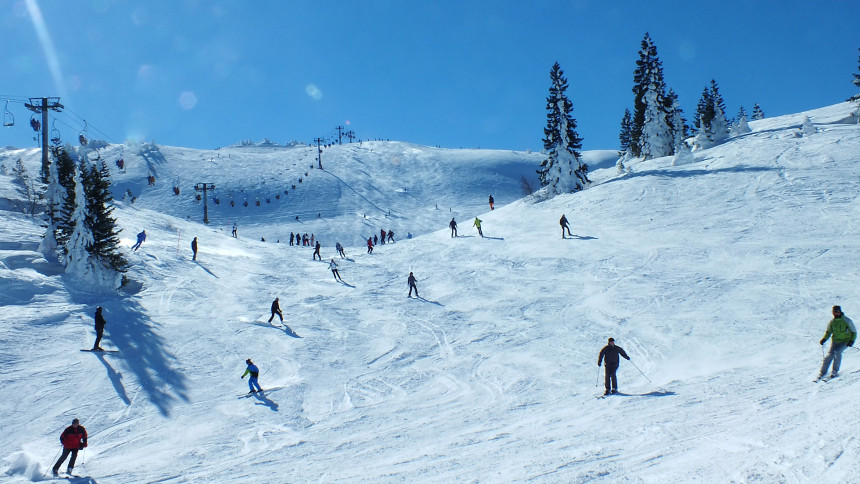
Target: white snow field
<point x="716" y="277"/>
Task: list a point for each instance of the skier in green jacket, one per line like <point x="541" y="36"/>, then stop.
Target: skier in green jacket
<point x="843" y="332"/>
<point x="477" y="224"/>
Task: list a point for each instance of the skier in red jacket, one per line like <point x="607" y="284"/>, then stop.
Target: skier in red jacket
<point x="74" y="438"/>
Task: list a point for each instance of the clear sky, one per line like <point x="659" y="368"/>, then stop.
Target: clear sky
<point x="470" y="74"/>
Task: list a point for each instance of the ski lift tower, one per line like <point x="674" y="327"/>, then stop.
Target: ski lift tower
<point x="43" y="105"/>
<point x="203" y="187"/>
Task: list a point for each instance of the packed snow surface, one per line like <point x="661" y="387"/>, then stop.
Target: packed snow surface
<point x="716" y="277"/>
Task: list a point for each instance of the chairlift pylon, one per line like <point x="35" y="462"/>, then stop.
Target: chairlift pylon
<point x="8" y="117"/>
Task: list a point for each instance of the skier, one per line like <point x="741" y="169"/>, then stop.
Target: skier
<point x="564" y="225"/>
<point x="491" y="202"/>
<point x="194" y="248"/>
<point x="140" y="238"/>
<point x="391" y="236"/>
<point x="453" y="225"/>
<point x="477" y="224"/>
<point x="339" y="250"/>
<point x="610" y="352"/>
<point x="292" y="237"/>
<point x="842" y="329"/>
<point x="100" y="328"/>
<point x="369" y="245"/>
<point x="74" y="438"/>
<point x="255" y="372"/>
<point x="235" y="228"/>
<point x="317" y="251"/>
<point x="375" y="240"/>
<point x="276" y="309"/>
<point x="382" y="235"/>
<point x="411" y="282"/>
<point x="333" y="266"/>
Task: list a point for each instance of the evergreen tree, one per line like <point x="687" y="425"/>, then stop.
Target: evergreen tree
<point x="676" y="121"/>
<point x="719" y="104"/>
<point x="66" y="171"/>
<point x="856" y="82"/>
<point x="626" y="131"/>
<point x="757" y="112"/>
<point x="742" y="113"/>
<point x="651" y="134"/>
<point x="563" y="170"/>
<point x="77" y="257"/>
<point x="55" y="198"/>
<point x="704" y="110"/>
<point x="105" y="234"/>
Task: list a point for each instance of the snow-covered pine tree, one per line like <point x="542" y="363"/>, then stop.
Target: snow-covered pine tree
<point x="626" y="131"/>
<point x="77" y="257"/>
<point x="713" y="125"/>
<point x="740" y="126"/>
<point x="66" y="170"/>
<point x="704" y="110"/>
<point x="757" y="112"/>
<point x="105" y="234"/>
<point x="651" y="135"/>
<point x="563" y="170"/>
<point x="55" y="198"/>
<point x="676" y="121"/>
<point x="742" y="113"/>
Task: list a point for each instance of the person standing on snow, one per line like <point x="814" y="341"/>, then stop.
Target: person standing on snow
<point x="235" y="228"/>
<point x="842" y="329"/>
<point x="369" y="245"/>
<point x="564" y="225"/>
<point x="194" y="248"/>
<point x="140" y="238"/>
<point x="317" y="251"/>
<point x="382" y="235"/>
<point x="333" y="266"/>
<point x="453" y="225"/>
<point x="254" y="372"/>
<point x="100" y="329"/>
<point x="391" y="236"/>
<point x="411" y="282"/>
<point x="477" y="224"/>
<point x="74" y="438"/>
<point x="276" y="309"/>
<point x="609" y="354"/>
<point x="340" y="250"/>
<point x="491" y="202"/>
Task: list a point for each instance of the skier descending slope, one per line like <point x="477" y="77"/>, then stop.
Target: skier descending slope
<point x="842" y="329"/>
<point x="254" y="372"/>
<point x="609" y="354"/>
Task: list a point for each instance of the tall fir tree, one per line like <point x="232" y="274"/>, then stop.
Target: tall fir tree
<point x="626" y="131"/>
<point x="651" y="134"/>
<point x="711" y="112"/>
<point x="563" y="170"/>
<point x="676" y="121"/>
<point x="704" y="110"/>
<point x="77" y="258"/>
<point x="105" y="233"/>
<point x="55" y="198"/>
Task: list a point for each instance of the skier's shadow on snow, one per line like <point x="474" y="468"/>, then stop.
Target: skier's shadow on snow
<point x="580" y="237"/>
<point x="649" y="394"/>
<point x="286" y="329"/>
<point x="81" y="480"/>
<point x="346" y="284"/>
<point x="428" y="301"/>
<point x="263" y="400"/>
<point x="207" y="270"/>
<point x="115" y="378"/>
<point x="494" y="238"/>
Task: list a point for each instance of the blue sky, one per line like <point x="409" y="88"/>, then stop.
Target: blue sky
<point x="470" y="74"/>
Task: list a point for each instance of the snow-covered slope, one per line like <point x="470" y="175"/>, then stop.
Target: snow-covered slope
<point x="716" y="277"/>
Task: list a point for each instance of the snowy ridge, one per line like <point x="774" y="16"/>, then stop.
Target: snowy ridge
<point x="716" y="277"/>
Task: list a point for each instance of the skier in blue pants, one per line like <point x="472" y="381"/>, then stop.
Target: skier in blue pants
<point x="255" y="372"/>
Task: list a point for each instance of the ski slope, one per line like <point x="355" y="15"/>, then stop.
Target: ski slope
<point x="716" y="277"/>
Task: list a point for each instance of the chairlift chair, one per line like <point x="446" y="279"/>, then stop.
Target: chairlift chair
<point x="8" y="117"/>
<point x="55" y="134"/>
<point x="35" y="123"/>
<point x="82" y="138"/>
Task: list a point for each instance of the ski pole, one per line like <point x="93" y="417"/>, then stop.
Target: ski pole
<point x="640" y="371"/>
<point x="45" y="474"/>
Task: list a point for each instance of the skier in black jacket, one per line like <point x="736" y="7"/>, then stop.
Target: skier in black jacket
<point x="609" y="354"/>
<point x="276" y="309"/>
<point x="100" y="328"/>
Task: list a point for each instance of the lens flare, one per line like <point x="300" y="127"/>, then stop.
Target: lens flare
<point x="47" y="45"/>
